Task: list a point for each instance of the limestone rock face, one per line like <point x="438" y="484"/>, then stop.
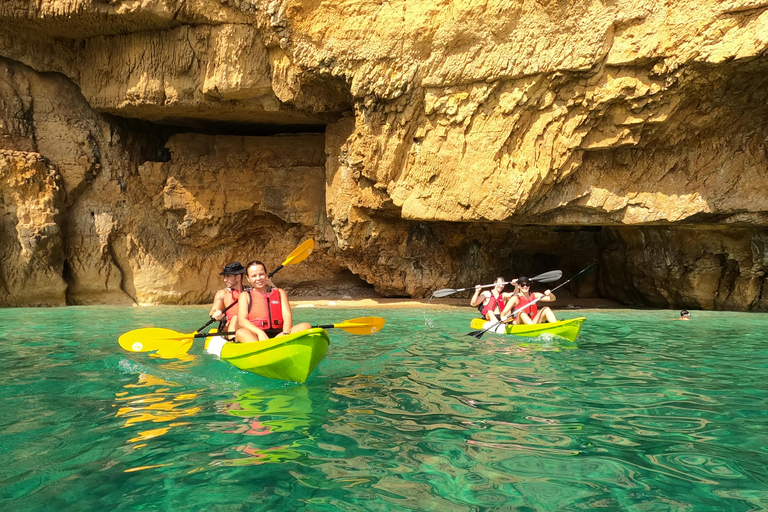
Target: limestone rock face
<point x="31" y="254"/>
<point x="422" y="144"/>
<point x="220" y="199"/>
<point x="712" y="268"/>
<point x="220" y="73"/>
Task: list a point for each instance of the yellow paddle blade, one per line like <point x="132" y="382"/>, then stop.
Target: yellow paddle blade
<point x="300" y="253"/>
<point x="150" y="339"/>
<point x="175" y="351"/>
<point x="362" y="325"/>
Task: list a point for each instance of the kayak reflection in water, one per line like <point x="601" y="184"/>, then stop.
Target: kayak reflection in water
<point x="264" y="312"/>
<point x="530" y="314"/>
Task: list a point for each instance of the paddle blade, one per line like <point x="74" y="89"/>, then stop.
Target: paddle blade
<point x="150" y="339"/>
<point x="300" y="253"/>
<point x="548" y="277"/>
<point x="362" y="325"/>
<point x="175" y="351"/>
<point x="444" y="292"/>
<point x="493" y="327"/>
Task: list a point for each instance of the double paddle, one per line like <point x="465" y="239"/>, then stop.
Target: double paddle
<point x="150" y="339"/>
<point x="546" y="277"/>
<point x="362" y="325"/>
<point x="479" y="334"/>
<point x="172" y="343"/>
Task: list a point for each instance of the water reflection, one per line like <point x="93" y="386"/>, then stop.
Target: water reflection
<point x="160" y="405"/>
<point x="251" y="426"/>
<point x="262" y="417"/>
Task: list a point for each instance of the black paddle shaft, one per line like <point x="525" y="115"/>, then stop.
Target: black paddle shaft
<point x="210" y="334"/>
<point x="213" y="319"/>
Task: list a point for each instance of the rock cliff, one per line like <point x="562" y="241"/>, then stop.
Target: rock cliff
<point x="422" y="144"/>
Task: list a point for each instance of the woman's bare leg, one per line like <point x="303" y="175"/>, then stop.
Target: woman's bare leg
<point x="246" y="336"/>
<point x="523" y="318"/>
<point x="545" y="315"/>
<point x="303" y="326"/>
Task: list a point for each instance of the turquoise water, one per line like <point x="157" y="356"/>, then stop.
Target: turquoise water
<point x="641" y="414"/>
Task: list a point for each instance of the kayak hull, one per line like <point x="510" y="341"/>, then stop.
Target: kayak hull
<point x="568" y="329"/>
<point x="291" y="357"/>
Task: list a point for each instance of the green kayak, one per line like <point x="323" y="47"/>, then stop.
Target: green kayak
<point x="291" y="357"/>
<point x="568" y="329"/>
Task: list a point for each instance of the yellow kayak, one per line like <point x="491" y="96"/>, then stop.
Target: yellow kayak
<point x="568" y="329"/>
<point x="291" y="357"/>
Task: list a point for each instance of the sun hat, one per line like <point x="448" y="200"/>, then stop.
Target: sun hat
<point x="233" y="268"/>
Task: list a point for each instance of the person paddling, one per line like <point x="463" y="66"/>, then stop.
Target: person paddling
<point x="233" y="282"/>
<point x="530" y="314"/>
<point x="491" y="303"/>
<point x="685" y="315"/>
<point x="263" y="311"/>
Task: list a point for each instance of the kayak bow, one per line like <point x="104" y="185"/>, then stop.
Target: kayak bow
<point x="291" y="357"/>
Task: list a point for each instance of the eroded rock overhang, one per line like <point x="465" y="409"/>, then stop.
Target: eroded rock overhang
<point x="422" y="145"/>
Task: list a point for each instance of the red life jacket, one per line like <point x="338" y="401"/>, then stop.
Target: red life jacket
<point x="492" y="303"/>
<point x="231" y="312"/>
<point x="265" y="311"/>
<point x="530" y="310"/>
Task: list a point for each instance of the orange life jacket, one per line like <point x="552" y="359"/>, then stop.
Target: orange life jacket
<point x="265" y="311"/>
<point x="492" y="303"/>
<point x="530" y="310"/>
<point x="231" y="312"/>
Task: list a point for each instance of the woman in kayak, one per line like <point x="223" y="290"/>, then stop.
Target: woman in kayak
<point x="492" y="301"/>
<point x="264" y="311"/>
<point x="530" y="314"/>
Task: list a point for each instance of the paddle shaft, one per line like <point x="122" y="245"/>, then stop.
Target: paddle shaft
<point x="518" y="310"/>
<point x="548" y="277"/>
<point x="209" y="334"/>
<point x="205" y="335"/>
<point x="552" y="290"/>
<point x="213" y="319"/>
<point x="329" y="326"/>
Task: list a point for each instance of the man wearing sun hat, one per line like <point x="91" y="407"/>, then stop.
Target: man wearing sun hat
<point x="233" y="280"/>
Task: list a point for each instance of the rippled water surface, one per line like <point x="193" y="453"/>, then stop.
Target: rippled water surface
<point x="641" y="414"/>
